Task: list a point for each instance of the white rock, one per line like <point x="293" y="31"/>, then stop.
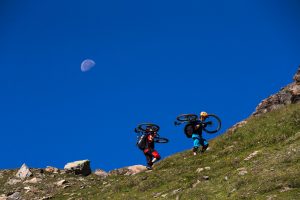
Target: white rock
<point x="61" y="182"/>
<point x="199" y="170"/>
<point x="3" y="197"/>
<point x="23" y="172"/>
<point x="101" y="173"/>
<point x="135" y="169"/>
<point x="52" y="169"/>
<point x="206" y="177"/>
<point x="79" y="167"/>
<point x="207" y="168"/>
<point x="27" y="188"/>
<point x="195" y="184"/>
<point x="242" y="171"/>
<point x="33" y="180"/>
<point x="251" y="155"/>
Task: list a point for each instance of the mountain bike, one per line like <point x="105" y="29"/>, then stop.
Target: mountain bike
<point x="211" y="124"/>
<point x="146" y="128"/>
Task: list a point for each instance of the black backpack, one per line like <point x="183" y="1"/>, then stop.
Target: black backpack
<point x="141" y="142"/>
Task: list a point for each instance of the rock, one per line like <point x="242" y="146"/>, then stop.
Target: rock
<point x="297" y="76"/>
<point x="226" y="178"/>
<point x="157" y="195"/>
<point x="101" y="173"/>
<point x="78" y="167"/>
<point x="66" y="186"/>
<point x="47" y="197"/>
<point x="24" y="172"/>
<point x="195" y="184"/>
<point x="131" y="170"/>
<point x="207" y="168"/>
<point x="237" y="125"/>
<point x="121" y="171"/>
<point x="13" y="181"/>
<point x="164" y="195"/>
<point x="285" y="189"/>
<point x="33" y="180"/>
<point x="288" y="95"/>
<point x="52" y="169"/>
<point x="3" y="197"/>
<point x="27" y="188"/>
<point x="199" y="170"/>
<point x="251" y="155"/>
<point x="135" y="169"/>
<point x="175" y="191"/>
<point x="206" y="177"/>
<point x="242" y="171"/>
<point x="61" y="182"/>
<point x="14" y="196"/>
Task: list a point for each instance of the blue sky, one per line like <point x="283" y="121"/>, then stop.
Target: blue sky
<point x="154" y="60"/>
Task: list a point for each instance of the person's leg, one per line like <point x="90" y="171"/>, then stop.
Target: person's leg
<point x="204" y="144"/>
<point x="196" y="145"/>
<point x="148" y="156"/>
<point x="156" y="156"/>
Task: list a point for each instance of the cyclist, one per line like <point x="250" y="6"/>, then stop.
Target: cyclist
<point x="151" y="154"/>
<point x="197" y="134"/>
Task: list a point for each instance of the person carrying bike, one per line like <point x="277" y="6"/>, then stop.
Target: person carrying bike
<point x="150" y="153"/>
<point x="197" y="134"/>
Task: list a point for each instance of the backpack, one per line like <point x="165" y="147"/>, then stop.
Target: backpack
<point x="141" y="142"/>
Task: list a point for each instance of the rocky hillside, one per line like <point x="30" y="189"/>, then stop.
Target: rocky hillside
<point x="257" y="159"/>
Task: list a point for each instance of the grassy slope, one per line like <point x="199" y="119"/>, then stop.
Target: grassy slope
<point x="273" y="173"/>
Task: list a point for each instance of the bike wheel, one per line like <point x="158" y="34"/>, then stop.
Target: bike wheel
<point x="161" y="140"/>
<point x="187" y="117"/>
<point x="213" y="124"/>
<point x="144" y="126"/>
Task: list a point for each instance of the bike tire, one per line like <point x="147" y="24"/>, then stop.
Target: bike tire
<point x="142" y="127"/>
<point x="215" y="125"/>
<point x="161" y="140"/>
<point x="186" y="117"/>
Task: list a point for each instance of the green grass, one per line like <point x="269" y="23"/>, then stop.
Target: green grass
<point x="274" y="173"/>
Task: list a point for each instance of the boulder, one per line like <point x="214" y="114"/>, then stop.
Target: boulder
<point x="131" y="170"/>
<point x="24" y="172"/>
<point x="81" y="167"/>
<point x="101" y="173"/>
<point x="135" y="169"/>
<point x="51" y="169"/>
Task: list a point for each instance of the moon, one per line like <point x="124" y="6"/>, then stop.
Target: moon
<point x="87" y="64"/>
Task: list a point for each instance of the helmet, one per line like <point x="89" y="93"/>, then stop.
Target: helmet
<point x="203" y="114"/>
